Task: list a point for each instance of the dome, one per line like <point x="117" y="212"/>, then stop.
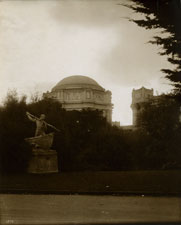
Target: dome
<point x="77" y="81"/>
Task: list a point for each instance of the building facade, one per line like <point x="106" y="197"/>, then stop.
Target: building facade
<point x="82" y="92"/>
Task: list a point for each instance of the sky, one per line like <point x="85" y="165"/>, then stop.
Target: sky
<point x="44" y="41"/>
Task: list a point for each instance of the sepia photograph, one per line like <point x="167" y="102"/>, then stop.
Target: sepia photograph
<point x="90" y="112"/>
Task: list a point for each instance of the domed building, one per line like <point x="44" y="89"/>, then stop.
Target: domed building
<point x="82" y="92"/>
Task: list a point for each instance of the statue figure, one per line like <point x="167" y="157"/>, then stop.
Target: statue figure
<point x="41" y="125"/>
<point x="43" y="159"/>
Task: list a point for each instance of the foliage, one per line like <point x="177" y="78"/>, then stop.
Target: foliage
<point x="86" y="141"/>
<point x="164" y="14"/>
<point x="160" y="117"/>
<point x="160" y="120"/>
<point x="14" y="153"/>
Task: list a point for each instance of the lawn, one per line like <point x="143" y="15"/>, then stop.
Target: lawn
<point x="123" y="182"/>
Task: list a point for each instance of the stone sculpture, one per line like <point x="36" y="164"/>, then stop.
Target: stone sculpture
<point x="44" y="159"/>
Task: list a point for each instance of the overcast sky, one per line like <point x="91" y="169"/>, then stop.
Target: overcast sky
<point x="43" y="41"/>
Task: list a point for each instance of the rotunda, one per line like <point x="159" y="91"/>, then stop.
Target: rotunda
<point x="82" y="92"/>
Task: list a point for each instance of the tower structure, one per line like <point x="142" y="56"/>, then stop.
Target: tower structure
<point x="139" y="96"/>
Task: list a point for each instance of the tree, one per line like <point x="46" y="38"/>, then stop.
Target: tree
<point x="14" y="151"/>
<point x="160" y="117"/>
<point x="160" y="121"/>
<point x="164" y="14"/>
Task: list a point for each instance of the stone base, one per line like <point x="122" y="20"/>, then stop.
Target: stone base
<point x="43" y="161"/>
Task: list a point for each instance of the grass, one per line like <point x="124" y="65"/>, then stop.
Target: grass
<point x="123" y="182"/>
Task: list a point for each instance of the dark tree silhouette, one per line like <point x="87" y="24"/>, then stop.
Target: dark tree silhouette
<point x="164" y="14"/>
<point x="160" y="121"/>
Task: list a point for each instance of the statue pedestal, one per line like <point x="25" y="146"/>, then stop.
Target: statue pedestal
<point x="43" y="161"/>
